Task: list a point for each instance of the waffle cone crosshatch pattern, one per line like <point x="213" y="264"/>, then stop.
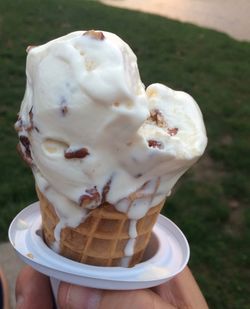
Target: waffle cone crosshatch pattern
<point x="102" y="238"/>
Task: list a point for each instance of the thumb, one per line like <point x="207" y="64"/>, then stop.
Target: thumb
<point x="77" y="297"/>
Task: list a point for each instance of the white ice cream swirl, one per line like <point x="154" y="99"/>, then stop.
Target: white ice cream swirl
<point x="92" y="133"/>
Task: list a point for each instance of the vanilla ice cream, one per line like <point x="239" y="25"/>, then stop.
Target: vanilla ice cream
<point x="91" y="132"/>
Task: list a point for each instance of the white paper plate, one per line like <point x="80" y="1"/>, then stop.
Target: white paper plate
<point x="165" y="257"/>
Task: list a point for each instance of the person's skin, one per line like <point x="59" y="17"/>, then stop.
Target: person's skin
<point x="33" y="291"/>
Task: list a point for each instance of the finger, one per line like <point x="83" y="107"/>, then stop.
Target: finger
<point x="182" y="291"/>
<point x="33" y="290"/>
<point x="76" y="297"/>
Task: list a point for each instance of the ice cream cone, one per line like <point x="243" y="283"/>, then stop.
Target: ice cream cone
<point x="105" y="152"/>
<point x="102" y="238"/>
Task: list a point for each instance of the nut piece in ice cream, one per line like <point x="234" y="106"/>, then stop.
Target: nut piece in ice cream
<point x="98" y="35"/>
<point x="105" y="152"/>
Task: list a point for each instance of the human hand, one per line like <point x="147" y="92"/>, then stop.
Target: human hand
<point x="33" y="291"/>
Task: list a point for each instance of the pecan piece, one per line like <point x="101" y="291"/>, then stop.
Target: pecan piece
<point x="97" y="35"/>
<point x="76" y="154"/>
<point x="138" y="175"/>
<point x="91" y="199"/>
<point x="155" y="144"/>
<point x="26" y="143"/>
<point x="172" y="132"/>
<point x="31" y="124"/>
<point x="64" y="110"/>
<point x="25" y="158"/>
<point x="157" y="116"/>
<point x="63" y="106"/>
<point x="105" y="190"/>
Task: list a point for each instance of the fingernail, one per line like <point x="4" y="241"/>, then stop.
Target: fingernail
<point x="19" y="301"/>
<point x="83" y="298"/>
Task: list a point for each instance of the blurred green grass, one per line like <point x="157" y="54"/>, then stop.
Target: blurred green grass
<point x="211" y="202"/>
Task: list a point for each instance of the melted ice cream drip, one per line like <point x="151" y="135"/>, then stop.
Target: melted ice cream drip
<point x="136" y="206"/>
<point x="70" y="216"/>
<point x="129" y="249"/>
<point x="68" y="212"/>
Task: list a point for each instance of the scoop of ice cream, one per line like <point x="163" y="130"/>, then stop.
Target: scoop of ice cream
<point x="91" y="132"/>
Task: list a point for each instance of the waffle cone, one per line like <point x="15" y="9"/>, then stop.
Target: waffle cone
<point x="101" y="239"/>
